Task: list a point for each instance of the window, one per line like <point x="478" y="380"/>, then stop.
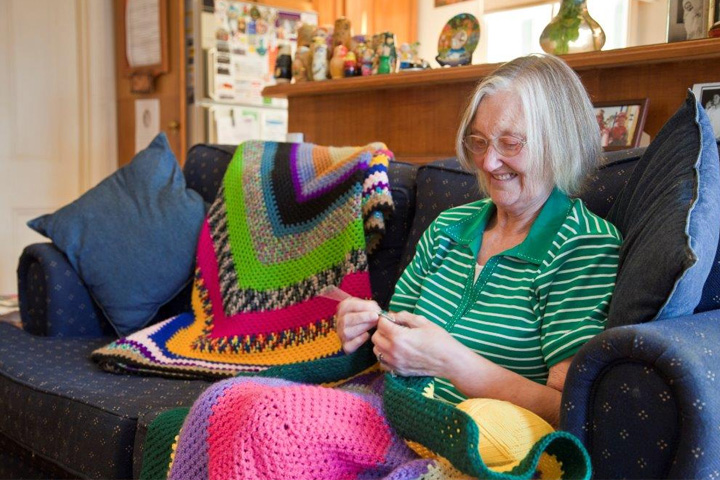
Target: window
<point x="515" y="32"/>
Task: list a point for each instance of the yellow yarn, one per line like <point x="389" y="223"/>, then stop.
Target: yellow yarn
<point x="507" y="434"/>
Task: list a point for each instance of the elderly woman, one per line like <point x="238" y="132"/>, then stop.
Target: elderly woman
<point x="503" y="292"/>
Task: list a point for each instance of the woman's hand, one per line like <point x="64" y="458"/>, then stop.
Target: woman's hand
<point x="413" y="346"/>
<point x="355" y="317"/>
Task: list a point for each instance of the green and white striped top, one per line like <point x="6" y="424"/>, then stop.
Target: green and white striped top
<point x="532" y="305"/>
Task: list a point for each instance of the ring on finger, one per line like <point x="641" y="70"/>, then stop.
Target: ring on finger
<point x="380" y="357"/>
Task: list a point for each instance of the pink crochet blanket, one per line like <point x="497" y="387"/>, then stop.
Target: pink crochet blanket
<point x="271" y="428"/>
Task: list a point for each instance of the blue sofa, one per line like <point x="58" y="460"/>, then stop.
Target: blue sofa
<point x="640" y="397"/>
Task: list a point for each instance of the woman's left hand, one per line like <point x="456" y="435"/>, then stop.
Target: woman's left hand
<point x="413" y="346"/>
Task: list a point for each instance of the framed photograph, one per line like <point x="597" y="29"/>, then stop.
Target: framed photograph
<point x="621" y="123"/>
<point x="708" y="94"/>
<point x="688" y="19"/>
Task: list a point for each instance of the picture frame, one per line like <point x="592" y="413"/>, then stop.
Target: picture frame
<point x="708" y="95"/>
<point x="442" y="3"/>
<point x="621" y="122"/>
<point x="689" y="19"/>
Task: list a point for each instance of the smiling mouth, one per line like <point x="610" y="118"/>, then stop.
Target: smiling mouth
<point x="504" y="176"/>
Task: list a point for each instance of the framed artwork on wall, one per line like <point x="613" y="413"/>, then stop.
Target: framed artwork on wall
<point x="689" y="19"/>
<point x="708" y="94"/>
<point x="621" y="123"/>
<point x="442" y="3"/>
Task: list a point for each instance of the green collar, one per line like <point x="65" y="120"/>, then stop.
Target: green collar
<point x="539" y="239"/>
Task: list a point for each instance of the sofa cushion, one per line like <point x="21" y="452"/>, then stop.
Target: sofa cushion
<point x="440" y="185"/>
<point x="205" y="168"/>
<point x="667" y="214"/>
<point x="58" y="405"/>
<point x="131" y="238"/>
<point x="385" y="261"/>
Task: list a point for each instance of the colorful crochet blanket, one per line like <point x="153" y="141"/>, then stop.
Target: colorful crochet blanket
<point x="278" y="425"/>
<point x="288" y="220"/>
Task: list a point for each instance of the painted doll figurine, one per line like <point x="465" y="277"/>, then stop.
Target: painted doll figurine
<point x="366" y="62"/>
<point x="319" y="59"/>
<point x="389" y="49"/>
<point x="337" y="63"/>
<point x="302" y="64"/>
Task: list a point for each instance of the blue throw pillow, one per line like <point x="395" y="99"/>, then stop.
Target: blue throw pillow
<point x="668" y="215"/>
<point x="132" y="238"/>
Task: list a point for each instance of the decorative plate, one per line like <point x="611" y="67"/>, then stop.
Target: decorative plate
<point x="458" y="40"/>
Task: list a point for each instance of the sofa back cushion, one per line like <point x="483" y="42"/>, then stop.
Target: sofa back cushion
<point x="204" y="170"/>
<point x="668" y="216"/>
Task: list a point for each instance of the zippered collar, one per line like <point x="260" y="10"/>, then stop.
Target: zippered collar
<point x="534" y="248"/>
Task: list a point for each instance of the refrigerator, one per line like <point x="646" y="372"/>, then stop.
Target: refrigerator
<point x="231" y="48"/>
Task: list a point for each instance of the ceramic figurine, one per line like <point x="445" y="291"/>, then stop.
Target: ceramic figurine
<point x="283" y="65"/>
<point x="377" y="49"/>
<point x="305" y="35"/>
<point x="342" y="34"/>
<point x="384" y="64"/>
<point x="405" y="58"/>
<point x="337" y="63"/>
<point x="366" y="62"/>
<point x="302" y="64"/>
<point x="319" y="59"/>
<point x="389" y="49"/>
<point x="350" y="65"/>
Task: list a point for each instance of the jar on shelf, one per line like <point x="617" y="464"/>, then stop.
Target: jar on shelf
<point x="572" y="30"/>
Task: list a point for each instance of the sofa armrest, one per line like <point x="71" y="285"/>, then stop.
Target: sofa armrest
<point x="643" y="399"/>
<point x="54" y="301"/>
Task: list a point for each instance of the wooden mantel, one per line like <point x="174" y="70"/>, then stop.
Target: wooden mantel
<point x="417" y="113"/>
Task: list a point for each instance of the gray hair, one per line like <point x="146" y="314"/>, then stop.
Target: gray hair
<point x="563" y="138"/>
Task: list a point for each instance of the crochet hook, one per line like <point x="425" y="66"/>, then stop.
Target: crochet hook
<point x="334" y="293"/>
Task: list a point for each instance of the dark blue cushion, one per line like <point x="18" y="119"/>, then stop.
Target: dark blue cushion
<point x="131" y="238"/>
<point x="667" y="214"/>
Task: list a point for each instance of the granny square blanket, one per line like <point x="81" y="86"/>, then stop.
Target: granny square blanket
<point x="288" y="220"/>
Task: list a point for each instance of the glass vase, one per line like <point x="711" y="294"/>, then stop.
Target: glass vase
<point x="572" y="30"/>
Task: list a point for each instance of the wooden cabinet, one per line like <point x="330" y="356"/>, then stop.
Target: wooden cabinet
<point x="417" y="113"/>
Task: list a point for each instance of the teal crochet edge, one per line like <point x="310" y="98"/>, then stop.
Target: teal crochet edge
<point x="159" y="441"/>
<point x="453" y="434"/>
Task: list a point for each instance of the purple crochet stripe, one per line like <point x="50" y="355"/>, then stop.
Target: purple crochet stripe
<point x="376" y="186"/>
<point x="296" y="177"/>
<point x="191" y="459"/>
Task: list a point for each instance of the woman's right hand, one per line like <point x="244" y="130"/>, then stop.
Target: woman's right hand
<point x="355" y="317"/>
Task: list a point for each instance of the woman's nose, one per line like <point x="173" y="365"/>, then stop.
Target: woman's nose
<point x="492" y="159"/>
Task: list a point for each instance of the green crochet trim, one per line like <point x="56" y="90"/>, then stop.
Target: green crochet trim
<point x="159" y="441"/>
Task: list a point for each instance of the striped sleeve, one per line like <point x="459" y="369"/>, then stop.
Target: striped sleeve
<point x="408" y="287"/>
<point x="573" y="291"/>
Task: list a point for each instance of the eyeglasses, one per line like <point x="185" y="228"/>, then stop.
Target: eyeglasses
<point x="505" y="145"/>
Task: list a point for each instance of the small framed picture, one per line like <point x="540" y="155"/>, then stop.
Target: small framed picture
<point x="688" y="19"/>
<point x="621" y="123"/>
<point x="708" y="94"/>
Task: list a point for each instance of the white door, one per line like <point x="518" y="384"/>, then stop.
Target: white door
<point x="57" y="113"/>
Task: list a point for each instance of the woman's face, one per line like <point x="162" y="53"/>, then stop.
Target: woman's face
<point x="507" y="180"/>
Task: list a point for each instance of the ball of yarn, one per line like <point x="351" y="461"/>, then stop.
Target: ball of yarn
<point x="507" y="432"/>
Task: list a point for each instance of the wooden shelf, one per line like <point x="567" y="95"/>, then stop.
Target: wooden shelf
<point x="417" y="114"/>
<point x="624" y="57"/>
